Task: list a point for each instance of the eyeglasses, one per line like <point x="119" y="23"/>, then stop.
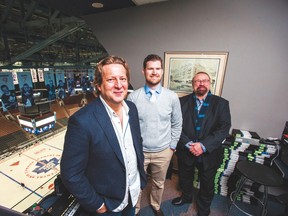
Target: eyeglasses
<point x="201" y="81"/>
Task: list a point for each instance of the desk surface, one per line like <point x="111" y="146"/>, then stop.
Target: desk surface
<point x="259" y="173"/>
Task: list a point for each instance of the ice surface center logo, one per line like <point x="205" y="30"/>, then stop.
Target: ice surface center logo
<point x="44" y="167"/>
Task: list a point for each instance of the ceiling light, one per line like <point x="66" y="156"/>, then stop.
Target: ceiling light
<point x="97" y="5"/>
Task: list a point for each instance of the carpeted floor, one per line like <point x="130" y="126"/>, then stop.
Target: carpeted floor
<point x="219" y="205"/>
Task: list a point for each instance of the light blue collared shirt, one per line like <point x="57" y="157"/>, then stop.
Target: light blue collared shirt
<point x="148" y="92"/>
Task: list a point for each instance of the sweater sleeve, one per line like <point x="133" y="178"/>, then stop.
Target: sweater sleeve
<point x="176" y="121"/>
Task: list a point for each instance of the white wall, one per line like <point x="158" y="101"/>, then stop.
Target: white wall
<point x="254" y="32"/>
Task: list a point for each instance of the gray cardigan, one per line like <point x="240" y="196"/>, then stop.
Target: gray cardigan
<point x="160" y="121"/>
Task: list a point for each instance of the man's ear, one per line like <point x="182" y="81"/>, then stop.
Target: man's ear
<point x="98" y="88"/>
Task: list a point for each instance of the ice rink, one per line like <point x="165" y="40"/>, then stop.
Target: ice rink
<point x="28" y="176"/>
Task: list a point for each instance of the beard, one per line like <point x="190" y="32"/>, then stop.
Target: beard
<point x="201" y="91"/>
<point x="152" y="82"/>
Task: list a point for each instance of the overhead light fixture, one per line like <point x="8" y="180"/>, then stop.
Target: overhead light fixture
<point x="97" y="5"/>
<point x="17" y="63"/>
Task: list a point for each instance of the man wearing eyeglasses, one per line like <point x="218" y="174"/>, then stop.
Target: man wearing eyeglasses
<point x="206" y="124"/>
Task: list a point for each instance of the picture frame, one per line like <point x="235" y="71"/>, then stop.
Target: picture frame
<point x="180" y="67"/>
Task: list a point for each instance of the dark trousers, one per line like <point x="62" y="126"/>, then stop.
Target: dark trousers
<point x="206" y="191"/>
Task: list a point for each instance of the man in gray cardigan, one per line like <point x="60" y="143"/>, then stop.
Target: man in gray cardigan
<point x="161" y="124"/>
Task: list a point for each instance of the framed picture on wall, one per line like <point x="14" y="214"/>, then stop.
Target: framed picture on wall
<point x="180" y="67"/>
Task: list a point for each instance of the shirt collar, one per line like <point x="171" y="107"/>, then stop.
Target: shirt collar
<point x="157" y="90"/>
<point x="110" y="111"/>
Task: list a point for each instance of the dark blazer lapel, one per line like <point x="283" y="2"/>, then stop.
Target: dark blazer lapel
<point x="104" y="121"/>
<point x="191" y="114"/>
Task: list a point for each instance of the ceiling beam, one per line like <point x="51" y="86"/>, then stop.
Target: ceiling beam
<point x="6" y="45"/>
<point x="37" y="23"/>
<point x="7" y="11"/>
<point x="30" y="11"/>
<point x="54" y="15"/>
<point x="100" y="56"/>
<point x="57" y="36"/>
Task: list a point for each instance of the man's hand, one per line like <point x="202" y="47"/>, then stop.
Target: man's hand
<point x="103" y="209"/>
<point x="196" y="149"/>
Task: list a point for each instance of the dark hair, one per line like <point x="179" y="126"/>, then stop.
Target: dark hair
<point x="26" y="84"/>
<point x="152" y="57"/>
<point x="107" y="61"/>
<point x="2" y="86"/>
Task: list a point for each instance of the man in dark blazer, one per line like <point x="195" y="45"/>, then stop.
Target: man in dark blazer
<point x="206" y="124"/>
<point x="102" y="161"/>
